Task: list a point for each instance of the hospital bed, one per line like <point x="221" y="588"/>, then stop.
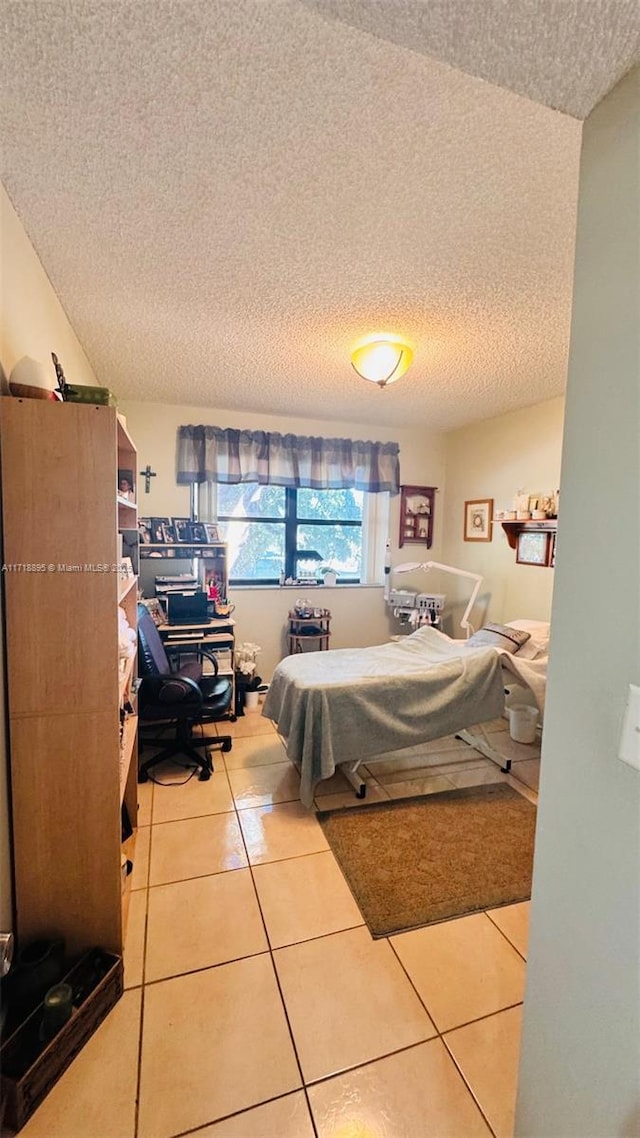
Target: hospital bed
<point x="337" y="709"/>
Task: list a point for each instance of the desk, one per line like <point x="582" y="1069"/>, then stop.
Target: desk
<point x="216" y="635"/>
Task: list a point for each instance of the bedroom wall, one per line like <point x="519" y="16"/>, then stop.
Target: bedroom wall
<point x="33" y="324"/>
<point x="494" y="459"/>
<point x="359" y="615"/>
<point x="580" y="1059"/>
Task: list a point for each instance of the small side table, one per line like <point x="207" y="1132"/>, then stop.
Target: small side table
<point x="309" y="633"/>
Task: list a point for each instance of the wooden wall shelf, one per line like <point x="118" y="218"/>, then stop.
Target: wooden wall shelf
<point x="541" y="525"/>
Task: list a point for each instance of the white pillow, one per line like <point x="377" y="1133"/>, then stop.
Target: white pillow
<point x="502" y="636"/>
<point x="538" y="643"/>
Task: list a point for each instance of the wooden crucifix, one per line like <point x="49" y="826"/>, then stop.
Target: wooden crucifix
<point x="147" y="474"/>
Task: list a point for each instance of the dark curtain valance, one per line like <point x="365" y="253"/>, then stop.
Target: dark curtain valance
<point x="211" y="454"/>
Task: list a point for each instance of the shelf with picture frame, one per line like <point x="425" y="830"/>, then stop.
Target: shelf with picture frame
<point x="513" y="529"/>
<point x="161" y="531"/>
<point x="196" y="542"/>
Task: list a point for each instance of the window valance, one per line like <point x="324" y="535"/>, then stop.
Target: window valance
<point x="214" y="454"/>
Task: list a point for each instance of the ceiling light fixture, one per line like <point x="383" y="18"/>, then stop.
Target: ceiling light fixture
<point x="381" y="358"/>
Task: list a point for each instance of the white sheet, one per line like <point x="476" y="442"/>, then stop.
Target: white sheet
<point x="348" y="704"/>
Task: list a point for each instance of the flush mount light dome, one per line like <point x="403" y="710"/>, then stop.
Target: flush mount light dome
<point x="381" y="358"/>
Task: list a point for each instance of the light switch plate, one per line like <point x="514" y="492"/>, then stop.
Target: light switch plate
<point x="629" y="750"/>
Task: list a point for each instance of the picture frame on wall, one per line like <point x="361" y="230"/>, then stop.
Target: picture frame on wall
<point x="416" y="514"/>
<point x="533" y="548"/>
<point x="478" y="519"/>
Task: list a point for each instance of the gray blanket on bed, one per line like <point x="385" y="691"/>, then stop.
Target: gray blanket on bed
<point x="352" y="703"/>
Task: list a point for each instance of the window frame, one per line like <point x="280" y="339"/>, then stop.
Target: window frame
<point x="290" y="522"/>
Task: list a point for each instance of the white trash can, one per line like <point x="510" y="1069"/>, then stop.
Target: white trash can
<point x="523" y="721"/>
<point x="251" y="701"/>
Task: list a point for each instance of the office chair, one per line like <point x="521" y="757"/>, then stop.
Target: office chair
<point x="185" y="697"/>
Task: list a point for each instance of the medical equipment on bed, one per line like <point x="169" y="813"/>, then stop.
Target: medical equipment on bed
<point x="411" y="566"/>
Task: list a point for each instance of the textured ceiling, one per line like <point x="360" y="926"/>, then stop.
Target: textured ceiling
<point x="565" y="53"/>
<point x="226" y="195"/>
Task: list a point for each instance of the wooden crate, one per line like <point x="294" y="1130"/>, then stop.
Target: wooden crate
<point x="29" y="1066"/>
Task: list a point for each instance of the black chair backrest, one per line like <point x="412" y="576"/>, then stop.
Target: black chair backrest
<point x="153" y="660"/>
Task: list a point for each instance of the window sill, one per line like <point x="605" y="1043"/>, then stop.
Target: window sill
<point x="301" y="588"/>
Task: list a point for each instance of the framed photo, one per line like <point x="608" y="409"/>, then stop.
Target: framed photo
<point x="416" y="514"/>
<point x="157" y="529"/>
<point x="198" y="533"/>
<point x="144" y="529"/>
<point x="126" y="485"/>
<point x="125" y="569"/>
<point x="533" y="548"/>
<point x="169" y="533"/>
<point x="157" y="612"/>
<point x="478" y="520"/>
<point x="552" y="551"/>
<point x="212" y="532"/>
<point x="211" y="580"/>
<point x="182" y="527"/>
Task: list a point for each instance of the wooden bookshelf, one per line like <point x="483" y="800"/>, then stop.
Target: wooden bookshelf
<point x="62" y="589"/>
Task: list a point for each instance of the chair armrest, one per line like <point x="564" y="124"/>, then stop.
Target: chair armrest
<point x="178" y="650"/>
<point x="209" y="655"/>
<point x="171" y="691"/>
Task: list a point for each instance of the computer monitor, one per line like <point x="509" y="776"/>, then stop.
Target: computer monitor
<point x="187" y="608"/>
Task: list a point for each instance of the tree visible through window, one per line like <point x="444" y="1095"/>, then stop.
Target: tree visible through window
<point x="267" y="528"/>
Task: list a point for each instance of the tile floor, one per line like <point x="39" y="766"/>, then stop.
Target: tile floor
<point x="257" y="1005"/>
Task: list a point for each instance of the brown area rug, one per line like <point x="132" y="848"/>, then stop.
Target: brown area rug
<point x="416" y="861"/>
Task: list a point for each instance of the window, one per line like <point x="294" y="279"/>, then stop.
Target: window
<point x="268" y="528"/>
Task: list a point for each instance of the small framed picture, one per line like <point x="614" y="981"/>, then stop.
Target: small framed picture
<point x="533" y="548"/>
<point x="552" y="551"/>
<point x="144" y="529"/>
<point x="169" y="534"/>
<point x="182" y="527"/>
<point x="156" y="610"/>
<point x="212" y="532"/>
<point x="478" y="520"/>
<point x="125" y="568"/>
<point x="157" y="531"/>
<point x="198" y="532"/>
<point x="126" y="485"/>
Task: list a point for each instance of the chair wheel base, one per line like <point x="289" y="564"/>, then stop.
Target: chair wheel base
<point x="226" y="746"/>
<point x="142" y="775"/>
<point x="205" y="774"/>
